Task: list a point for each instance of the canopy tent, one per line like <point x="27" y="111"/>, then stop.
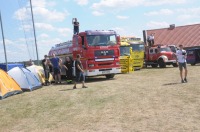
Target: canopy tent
<point x="8" y="86"/>
<point x="25" y="79"/>
<point x="38" y="71"/>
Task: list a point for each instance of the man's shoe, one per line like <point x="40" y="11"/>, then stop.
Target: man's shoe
<point x="182" y="81"/>
<point x="84" y="87"/>
<point x="185" y="80"/>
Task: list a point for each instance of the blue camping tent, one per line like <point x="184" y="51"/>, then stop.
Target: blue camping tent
<point x="11" y="65"/>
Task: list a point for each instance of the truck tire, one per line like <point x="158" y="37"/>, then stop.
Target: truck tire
<point x="161" y="63"/>
<point x="175" y="65"/>
<point x="109" y="76"/>
<point x="154" y="65"/>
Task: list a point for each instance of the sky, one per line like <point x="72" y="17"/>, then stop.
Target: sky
<point x="53" y="21"/>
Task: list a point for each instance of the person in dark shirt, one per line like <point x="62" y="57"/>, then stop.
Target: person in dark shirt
<point x="68" y="66"/>
<point x="79" y="72"/>
<point x="76" y="25"/>
<point x="46" y="69"/>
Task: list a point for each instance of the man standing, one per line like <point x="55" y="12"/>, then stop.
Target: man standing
<point x="79" y="72"/>
<point x="181" y="59"/>
<point x="76" y="25"/>
<point x="56" y="68"/>
<point x="68" y="64"/>
<point x="46" y="69"/>
<point x="150" y="39"/>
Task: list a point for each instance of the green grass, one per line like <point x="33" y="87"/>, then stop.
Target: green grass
<point x="146" y="100"/>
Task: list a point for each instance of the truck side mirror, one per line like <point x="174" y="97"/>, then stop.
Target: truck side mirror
<point x="131" y="50"/>
<point x="118" y="39"/>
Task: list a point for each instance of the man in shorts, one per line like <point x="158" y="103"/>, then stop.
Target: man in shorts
<point x="79" y="72"/>
<point x="56" y="68"/>
<point x="181" y="60"/>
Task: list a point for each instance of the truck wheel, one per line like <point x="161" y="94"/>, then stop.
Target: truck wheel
<point x="175" y="65"/>
<point x="110" y="76"/>
<point x="154" y="65"/>
<point x="161" y="63"/>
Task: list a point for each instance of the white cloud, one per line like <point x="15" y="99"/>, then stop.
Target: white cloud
<point x="47" y="27"/>
<point x="160" y="12"/>
<point x="97" y="13"/>
<point x="51" y="3"/>
<point x="65" y="32"/>
<point x="44" y="26"/>
<point x="124" y="4"/>
<point x="8" y="42"/>
<point x="43" y="35"/>
<point x="189" y="13"/>
<point x="26" y="27"/>
<point x="119" y="30"/>
<point x="163" y="2"/>
<point x="40" y="10"/>
<point x="38" y="3"/>
<point x="155" y="25"/>
<point x="22" y="13"/>
<point x="50" y="15"/>
<point x="122" y="17"/>
<point x="52" y="41"/>
<point x="110" y="4"/>
<point x="82" y="2"/>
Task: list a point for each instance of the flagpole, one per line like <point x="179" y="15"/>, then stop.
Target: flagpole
<point x="34" y="32"/>
<point x="3" y="42"/>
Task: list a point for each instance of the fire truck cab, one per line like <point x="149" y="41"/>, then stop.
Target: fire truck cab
<point x="159" y="55"/>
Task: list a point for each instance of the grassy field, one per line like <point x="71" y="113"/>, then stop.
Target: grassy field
<point x="146" y="100"/>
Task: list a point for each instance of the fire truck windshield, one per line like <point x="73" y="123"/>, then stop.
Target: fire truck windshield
<point x="101" y="40"/>
<point x="124" y="50"/>
<point x="137" y="47"/>
<point x="166" y="49"/>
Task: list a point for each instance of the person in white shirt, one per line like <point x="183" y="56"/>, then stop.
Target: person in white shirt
<point x="150" y="39"/>
<point x="181" y="55"/>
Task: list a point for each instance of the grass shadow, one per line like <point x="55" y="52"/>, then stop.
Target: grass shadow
<point x="168" y="84"/>
<point x="69" y="89"/>
<point x="159" y="68"/>
<point x="97" y="79"/>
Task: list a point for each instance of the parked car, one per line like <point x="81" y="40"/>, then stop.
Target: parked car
<point x="193" y="56"/>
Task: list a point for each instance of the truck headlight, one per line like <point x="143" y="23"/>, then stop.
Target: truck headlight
<point x="165" y="58"/>
<point x="117" y="63"/>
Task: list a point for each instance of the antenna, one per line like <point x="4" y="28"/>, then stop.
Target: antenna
<point x="34" y="32"/>
<point x="3" y="42"/>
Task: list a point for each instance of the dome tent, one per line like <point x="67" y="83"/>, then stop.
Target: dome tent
<point x="25" y="79"/>
<point x="8" y="86"/>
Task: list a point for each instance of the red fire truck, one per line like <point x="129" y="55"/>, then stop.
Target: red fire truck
<point x="159" y="55"/>
<point x="99" y="50"/>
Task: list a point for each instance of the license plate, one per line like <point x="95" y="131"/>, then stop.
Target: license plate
<point x="105" y="72"/>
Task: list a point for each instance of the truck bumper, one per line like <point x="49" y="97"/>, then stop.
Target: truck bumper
<point x="98" y="72"/>
<point x="170" y="61"/>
